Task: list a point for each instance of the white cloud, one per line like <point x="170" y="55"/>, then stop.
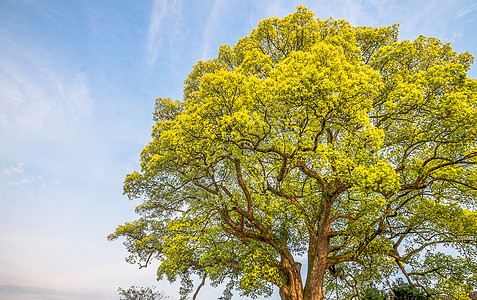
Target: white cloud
<point x="429" y="18"/>
<point x="162" y="9"/>
<point x="17" y="169"/>
<point x="14" y="176"/>
<point x="40" y="99"/>
<point x="44" y="108"/>
<point x="466" y="10"/>
<point x="211" y="26"/>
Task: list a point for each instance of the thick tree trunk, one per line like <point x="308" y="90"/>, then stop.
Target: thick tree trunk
<point x="319" y="247"/>
<point x="318" y="250"/>
<point x="293" y="288"/>
<point x="313" y="290"/>
<point x="314" y="283"/>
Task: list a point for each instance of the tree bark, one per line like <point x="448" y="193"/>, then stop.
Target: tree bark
<point x="314" y="283"/>
<point x="319" y="248"/>
<point x="293" y="288"/>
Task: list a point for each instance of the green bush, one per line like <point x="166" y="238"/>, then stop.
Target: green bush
<point x="373" y="294"/>
<point x="408" y="292"/>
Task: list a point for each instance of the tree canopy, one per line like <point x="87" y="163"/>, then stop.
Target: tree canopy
<point x="313" y="156"/>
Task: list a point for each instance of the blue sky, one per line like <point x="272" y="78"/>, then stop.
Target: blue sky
<point x="78" y="81"/>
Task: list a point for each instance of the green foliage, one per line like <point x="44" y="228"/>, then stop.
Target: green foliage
<point x="400" y="291"/>
<point x="373" y="294"/>
<point x="408" y="292"/>
<point x="140" y="293"/>
<point x="313" y="139"/>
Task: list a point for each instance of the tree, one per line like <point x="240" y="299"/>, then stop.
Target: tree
<point x="140" y="293"/>
<point x="408" y="292"/>
<point x="400" y="291"/>
<point x="318" y="145"/>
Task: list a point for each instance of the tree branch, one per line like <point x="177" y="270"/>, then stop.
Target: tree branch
<point x="334" y="218"/>
<point x="200" y="286"/>
<point x="238" y="170"/>
<point x="314" y="175"/>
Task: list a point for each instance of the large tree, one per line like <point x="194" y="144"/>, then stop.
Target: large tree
<point x="313" y="156"/>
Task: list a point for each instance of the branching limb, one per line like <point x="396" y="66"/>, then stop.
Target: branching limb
<point x="334" y="218"/>
<point x="248" y="197"/>
<point x="314" y="175"/>
<point x="147" y="261"/>
<point x="199" y="287"/>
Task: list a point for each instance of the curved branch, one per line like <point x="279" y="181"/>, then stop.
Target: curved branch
<point x="314" y="175"/>
<point x="248" y="197"/>
<point x="334" y="218"/>
<point x="200" y="286"/>
<point x="147" y="261"/>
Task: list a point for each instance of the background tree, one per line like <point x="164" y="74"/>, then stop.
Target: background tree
<point x="399" y="291"/>
<point x="140" y="293"/>
<point x="407" y="292"/>
<point x="317" y="144"/>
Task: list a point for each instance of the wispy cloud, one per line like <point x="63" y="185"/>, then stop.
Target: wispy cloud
<point x="40" y="99"/>
<point x="211" y="26"/>
<point x="14" y="177"/>
<point x="162" y="9"/>
<point x="414" y="17"/>
<point x="466" y="10"/>
<point x="16" y="169"/>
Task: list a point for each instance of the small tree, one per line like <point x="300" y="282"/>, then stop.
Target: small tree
<point x="405" y="291"/>
<point x="140" y="293"/>
<point x="399" y="291"/>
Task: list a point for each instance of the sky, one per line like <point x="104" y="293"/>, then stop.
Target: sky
<point x="78" y="80"/>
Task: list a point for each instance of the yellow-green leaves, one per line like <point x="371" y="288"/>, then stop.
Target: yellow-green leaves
<point x="379" y="177"/>
<point x="316" y="138"/>
<point x="258" y="266"/>
<point x="279" y="37"/>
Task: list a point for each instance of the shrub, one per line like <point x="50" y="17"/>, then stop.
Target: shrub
<point x="408" y="292"/>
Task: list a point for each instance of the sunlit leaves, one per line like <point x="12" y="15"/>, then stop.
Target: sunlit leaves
<point x="305" y="131"/>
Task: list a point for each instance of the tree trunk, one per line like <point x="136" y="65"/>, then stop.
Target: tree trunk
<point x="314" y="284"/>
<point x="283" y="295"/>
<point x="293" y="288"/>
<point x="318" y="253"/>
<point x="318" y="250"/>
<point x="319" y="247"/>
